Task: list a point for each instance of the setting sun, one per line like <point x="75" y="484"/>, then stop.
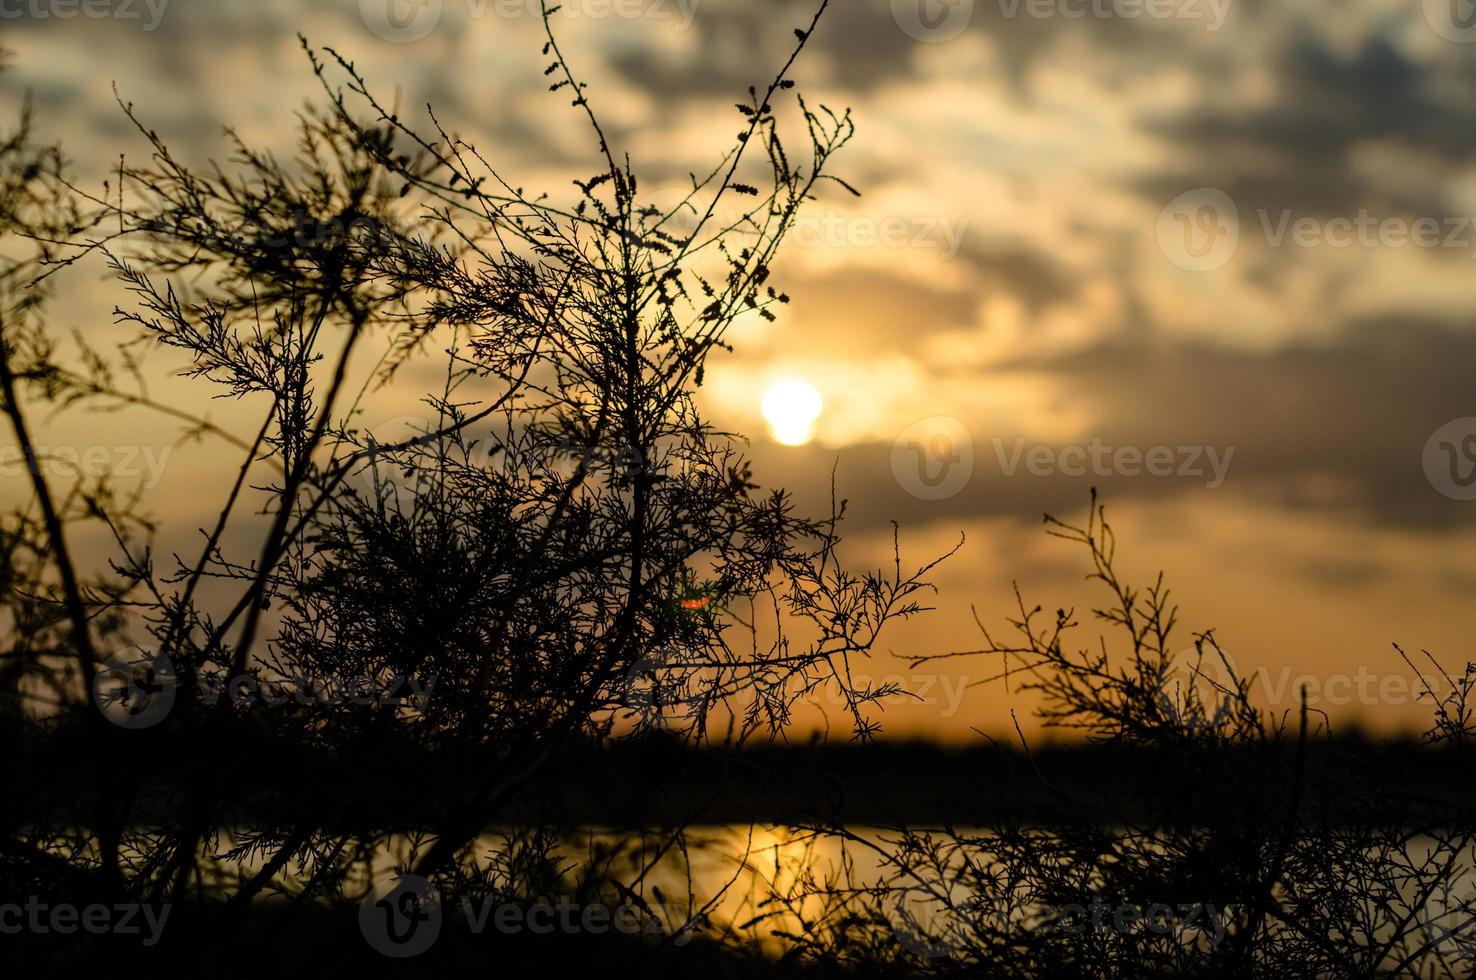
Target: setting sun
<point x="791" y="409"/>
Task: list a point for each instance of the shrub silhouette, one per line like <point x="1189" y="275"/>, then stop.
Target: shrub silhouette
<point x="560" y="552"/>
<point x="1223" y="842"/>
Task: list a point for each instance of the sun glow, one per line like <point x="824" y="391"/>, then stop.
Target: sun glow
<point x="791" y="408"/>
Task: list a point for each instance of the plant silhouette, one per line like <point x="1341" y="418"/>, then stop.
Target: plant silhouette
<point x="1220" y="842"/>
<point x="353" y="711"/>
<point x="520" y="559"/>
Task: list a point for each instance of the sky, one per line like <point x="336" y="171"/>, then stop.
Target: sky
<point x="1213" y="257"/>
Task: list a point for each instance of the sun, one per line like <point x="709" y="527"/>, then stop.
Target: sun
<point x="791" y="408"/>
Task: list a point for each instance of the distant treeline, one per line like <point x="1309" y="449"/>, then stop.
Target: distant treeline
<point x="659" y="782"/>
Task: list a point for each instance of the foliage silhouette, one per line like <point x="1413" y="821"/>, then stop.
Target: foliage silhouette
<point x="1223" y="842"/>
<point x="561" y="557"/>
<point x="560" y="552"/>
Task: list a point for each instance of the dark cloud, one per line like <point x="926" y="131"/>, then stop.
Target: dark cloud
<point x="1036" y="280"/>
<point x="864" y="48"/>
<point x="1295" y="150"/>
<point x="851" y="309"/>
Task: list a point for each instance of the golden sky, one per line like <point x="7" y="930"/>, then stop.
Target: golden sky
<point x="1214" y="257"/>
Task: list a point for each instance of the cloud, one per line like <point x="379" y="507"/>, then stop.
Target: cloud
<point x="1051" y="145"/>
<point x="1328" y="430"/>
